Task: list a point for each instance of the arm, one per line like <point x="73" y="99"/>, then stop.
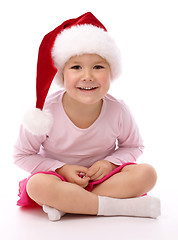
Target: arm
<point x="130" y="147"/>
<point x="130" y="144"/>
<point x="26" y="153"/>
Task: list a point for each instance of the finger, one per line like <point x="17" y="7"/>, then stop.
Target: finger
<point x="83" y="182"/>
<point x="98" y="175"/>
<point x="81" y="169"/>
<point x="98" y="178"/>
<point x="92" y="171"/>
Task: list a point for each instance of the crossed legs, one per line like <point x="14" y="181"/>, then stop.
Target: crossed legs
<point x="133" y="181"/>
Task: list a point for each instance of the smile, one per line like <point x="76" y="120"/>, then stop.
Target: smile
<point x="87" y="88"/>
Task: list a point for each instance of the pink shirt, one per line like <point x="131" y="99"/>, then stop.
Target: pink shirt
<point x="114" y="136"/>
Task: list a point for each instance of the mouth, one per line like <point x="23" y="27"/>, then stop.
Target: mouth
<point x="87" y="88"/>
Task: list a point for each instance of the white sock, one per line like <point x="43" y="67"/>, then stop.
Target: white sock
<point x="53" y="214"/>
<point x="145" y="206"/>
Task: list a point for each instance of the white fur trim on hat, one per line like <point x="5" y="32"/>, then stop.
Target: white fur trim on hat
<point x="82" y="39"/>
<point x="38" y="122"/>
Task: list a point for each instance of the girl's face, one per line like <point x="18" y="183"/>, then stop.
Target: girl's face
<point x="87" y="78"/>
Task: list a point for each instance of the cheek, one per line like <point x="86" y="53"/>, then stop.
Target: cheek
<point x="69" y="83"/>
<point x="106" y="80"/>
<point x="67" y="78"/>
<point x="106" y="84"/>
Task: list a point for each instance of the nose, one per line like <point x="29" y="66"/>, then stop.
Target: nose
<point x="87" y="75"/>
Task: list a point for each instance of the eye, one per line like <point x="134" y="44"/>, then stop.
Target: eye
<point x="76" y="67"/>
<point x="98" y="67"/>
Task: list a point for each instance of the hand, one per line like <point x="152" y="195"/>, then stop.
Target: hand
<point x="72" y="174"/>
<point x="100" y="169"/>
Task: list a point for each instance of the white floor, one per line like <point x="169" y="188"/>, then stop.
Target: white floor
<point x="27" y="224"/>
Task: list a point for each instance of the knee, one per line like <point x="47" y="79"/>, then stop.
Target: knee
<point x="36" y="187"/>
<point x="148" y="175"/>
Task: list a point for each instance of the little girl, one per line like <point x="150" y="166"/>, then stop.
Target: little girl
<point x="81" y="144"/>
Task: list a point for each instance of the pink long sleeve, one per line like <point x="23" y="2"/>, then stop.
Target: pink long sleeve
<point x="130" y="144"/>
<point x="26" y="153"/>
<point x="114" y="136"/>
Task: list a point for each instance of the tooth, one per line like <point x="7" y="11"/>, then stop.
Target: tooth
<point x="87" y="88"/>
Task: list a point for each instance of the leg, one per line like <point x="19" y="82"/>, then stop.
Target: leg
<point x="132" y="181"/>
<point x="67" y="197"/>
<point x="119" y="194"/>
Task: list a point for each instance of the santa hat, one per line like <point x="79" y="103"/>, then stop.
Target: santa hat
<point x="85" y="34"/>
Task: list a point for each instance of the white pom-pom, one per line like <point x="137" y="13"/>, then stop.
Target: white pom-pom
<point x="38" y="122"/>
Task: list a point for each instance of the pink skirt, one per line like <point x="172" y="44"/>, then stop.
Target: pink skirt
<point x="25" y="200"/>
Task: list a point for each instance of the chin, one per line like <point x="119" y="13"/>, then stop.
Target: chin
<point x="90" y="102"/>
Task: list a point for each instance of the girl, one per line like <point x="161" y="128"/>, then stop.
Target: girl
<point x="81" y="144"/>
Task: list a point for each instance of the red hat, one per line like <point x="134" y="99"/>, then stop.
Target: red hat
<point x="85" y="34"/>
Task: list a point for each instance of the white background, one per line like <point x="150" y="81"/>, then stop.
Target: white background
<point x="147" y="35"/>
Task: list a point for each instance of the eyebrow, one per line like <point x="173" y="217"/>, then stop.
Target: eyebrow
<point x="100" y="62"/>
<point x="76" y="62"/>
<point x="94" y="63"/>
